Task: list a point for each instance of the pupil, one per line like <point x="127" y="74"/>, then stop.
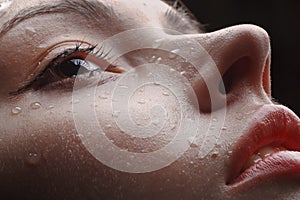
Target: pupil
<point x="70" y="68"/>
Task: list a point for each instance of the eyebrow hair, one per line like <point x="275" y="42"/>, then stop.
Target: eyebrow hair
<point x="90" y="8"/>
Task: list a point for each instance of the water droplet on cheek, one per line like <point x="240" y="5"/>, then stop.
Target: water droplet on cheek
<point x="33" y="158"/>
<point x="16" y="110"/>
<point x="35" y="105"/>
<point x="157" y="43"/>
<point x="214" y="155"/>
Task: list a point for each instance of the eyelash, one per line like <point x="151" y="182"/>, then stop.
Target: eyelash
<point x="49" y="78"/>
<point x="177" y="13"/>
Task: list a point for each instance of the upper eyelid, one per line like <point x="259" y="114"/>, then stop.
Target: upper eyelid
<point x="54" y="53"/>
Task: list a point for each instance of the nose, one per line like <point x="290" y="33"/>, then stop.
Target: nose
<point x="242" y="57"/>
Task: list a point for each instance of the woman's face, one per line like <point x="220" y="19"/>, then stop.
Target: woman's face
<point x="146" y="117"/>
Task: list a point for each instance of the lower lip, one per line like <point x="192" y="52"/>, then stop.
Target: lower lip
<point x="277" y="165"/>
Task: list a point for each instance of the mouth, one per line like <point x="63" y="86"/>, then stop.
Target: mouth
<point x="269" y="149"/>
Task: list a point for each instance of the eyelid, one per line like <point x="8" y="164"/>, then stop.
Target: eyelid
<point x="59" y="53"/>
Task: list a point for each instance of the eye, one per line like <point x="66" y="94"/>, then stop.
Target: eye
<point x="62" y="70"/>
<point x="76" y="66"/>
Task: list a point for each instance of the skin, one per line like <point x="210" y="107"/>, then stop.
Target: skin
<point x="42" y="156"/>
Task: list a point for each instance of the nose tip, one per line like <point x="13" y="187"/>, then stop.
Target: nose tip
<point x="242" y="56"/>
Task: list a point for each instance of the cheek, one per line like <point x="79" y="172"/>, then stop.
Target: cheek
<point x="143" y="120"/>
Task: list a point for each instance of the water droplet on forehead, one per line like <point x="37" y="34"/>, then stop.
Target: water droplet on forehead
<point x="16" y="110"/>
<point x="35" y="105"/>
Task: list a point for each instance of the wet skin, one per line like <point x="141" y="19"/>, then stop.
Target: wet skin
<point x="41" y="151"/>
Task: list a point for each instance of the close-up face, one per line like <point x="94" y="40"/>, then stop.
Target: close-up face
<point x="132" y="99"/>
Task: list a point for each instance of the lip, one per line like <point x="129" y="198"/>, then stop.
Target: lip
<point x="270" y="125"/>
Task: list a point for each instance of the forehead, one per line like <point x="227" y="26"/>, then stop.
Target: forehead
<point x="135" y="10"/>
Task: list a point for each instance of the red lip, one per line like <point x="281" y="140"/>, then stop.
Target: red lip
<point x="271" y="125"/>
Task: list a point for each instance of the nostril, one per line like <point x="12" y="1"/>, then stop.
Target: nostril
<point x="235" y="75"/>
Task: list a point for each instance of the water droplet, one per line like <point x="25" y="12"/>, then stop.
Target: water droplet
<point x="33" y="158"/>
<point x="192" y="50"/>
<point x="142" y="90"/>
<point x="192" y="142"/>
<point x="152" y="59"/>
<point x="172" y="70"/>
<point x="185" y="64"/>
<point x="158" y="60"/>
<point x="50" y="107"/>
<point x="157" y="43"/>
<point x="224" y="128"/>
<point x="173" y="54"/>
<point x="166" y="94"/>
<point x="124" y="86"/>
<point x="141" y="102"/>
<point x="30" y="31"/>
<point x="16" y="110"/>
<point x="183" y="72"/>
<point x="214" y="155"/>
<point x="35" y="105"/>
<point x="214" y="119"/>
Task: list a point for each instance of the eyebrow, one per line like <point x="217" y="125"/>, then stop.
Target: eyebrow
<point x="90" y="8"/>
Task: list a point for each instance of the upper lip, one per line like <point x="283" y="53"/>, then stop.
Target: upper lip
<point x="270" y="125"/>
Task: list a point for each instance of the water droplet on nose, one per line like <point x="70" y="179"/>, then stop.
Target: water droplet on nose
<point x="35" y="105"/>
<point x="16" y="110"/>
<point x="33" y="158"/>
<point x="157" y="43"/>
<point x="173" y="53"/>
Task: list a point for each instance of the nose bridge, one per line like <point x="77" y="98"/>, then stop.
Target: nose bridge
<point x="242" y="56"/>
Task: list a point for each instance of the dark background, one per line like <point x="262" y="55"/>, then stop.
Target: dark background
<point x="281" y="19"/>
